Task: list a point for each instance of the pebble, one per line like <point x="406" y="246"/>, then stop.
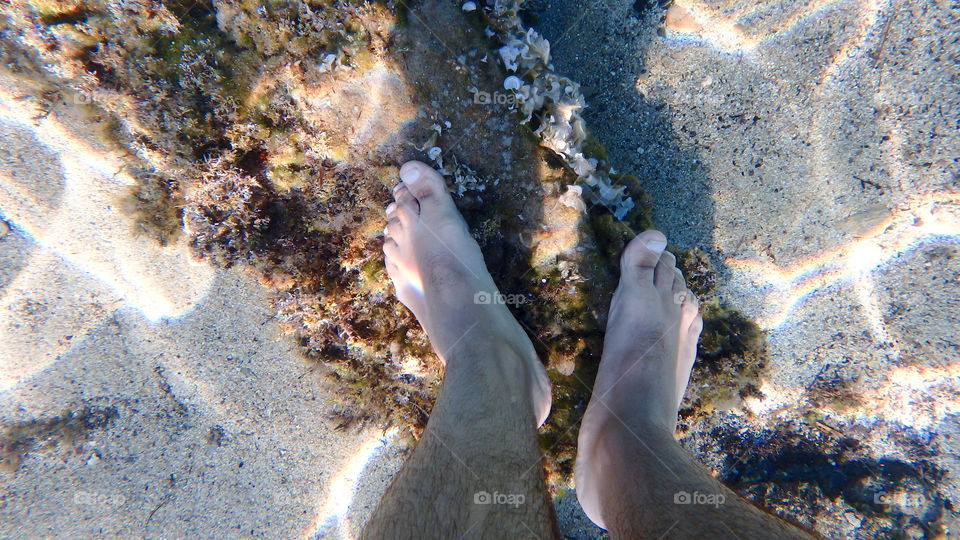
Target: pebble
<point x="4" y="228"/>
<point x="679" y="19"/>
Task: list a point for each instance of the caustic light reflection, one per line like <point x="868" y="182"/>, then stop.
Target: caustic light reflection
<point x="334" y="515"/>
<point x="738" y="27"/>
<point x="931" y="218"/>
<point x="83" y="224"/>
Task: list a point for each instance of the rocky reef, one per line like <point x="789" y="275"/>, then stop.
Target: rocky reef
<point x="270" y="134"/>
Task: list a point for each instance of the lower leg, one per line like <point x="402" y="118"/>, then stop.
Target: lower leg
<point x="476" y="472"/>
<point x="632" y="476"/>
<point x="653" y="488"/>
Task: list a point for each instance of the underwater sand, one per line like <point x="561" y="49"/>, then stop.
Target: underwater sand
<point x="202" y="417"/>
<point x="811" y="151"/>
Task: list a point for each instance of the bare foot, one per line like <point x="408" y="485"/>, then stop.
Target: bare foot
<point x="438" y="272"/>
<point x="648" y="352"/>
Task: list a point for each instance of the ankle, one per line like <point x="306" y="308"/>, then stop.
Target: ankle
<point x="618" y="432"/>
<point x="638" y="411"/>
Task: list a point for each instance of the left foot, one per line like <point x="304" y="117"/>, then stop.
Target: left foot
<point x="439" y="273"/>
<point x="648" y="352"/>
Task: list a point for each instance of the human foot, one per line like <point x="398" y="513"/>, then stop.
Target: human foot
<point x="439" y="274"/>
<point x="648" y="352"/>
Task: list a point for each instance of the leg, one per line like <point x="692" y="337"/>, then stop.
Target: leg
<point x="632" y="477"/>
<point x="476" y="472"/>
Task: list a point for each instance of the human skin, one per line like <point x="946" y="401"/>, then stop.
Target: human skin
<point x="476" y="472"/>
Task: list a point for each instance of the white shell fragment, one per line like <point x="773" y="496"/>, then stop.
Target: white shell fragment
<point x="557" y="102"/>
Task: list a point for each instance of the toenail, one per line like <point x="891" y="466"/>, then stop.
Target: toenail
<point x="390" y="208"/>
<point x="410" y="175"/>
<point x="656" y="245"/>
<point x="398" y="186"/>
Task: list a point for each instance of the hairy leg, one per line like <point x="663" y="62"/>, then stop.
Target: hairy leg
<point x="476" y="473"/>
<point x="632" y="476"/>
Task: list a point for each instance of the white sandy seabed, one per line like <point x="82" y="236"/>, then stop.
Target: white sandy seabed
<point x="221" y="426"/>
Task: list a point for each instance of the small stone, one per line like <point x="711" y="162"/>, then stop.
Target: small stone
<point x="679" y="19"/>
<point x="852" y="518"/>
<point x="469" y="6"/>
<point x="4" y="228"/>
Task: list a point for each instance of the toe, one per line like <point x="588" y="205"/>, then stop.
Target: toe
<point x="643" y="253"/>
<point x="696" y="326"/>
<point x="401" y="215"/>
<point x="394" y="223"/>
<point x="689" y="309"/>
<point x="407" y="206"/>
<point x="679" y="285"/>
<point x="393" y="272"/>
<point x="390" y="248"/>
<point x="426" y="185"/>
<point x="664" y="274"/>
<point x="392" y="229"/>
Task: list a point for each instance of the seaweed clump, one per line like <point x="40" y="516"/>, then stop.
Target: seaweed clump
<point x="223" y="107"/>
<point x="805" y="473"/>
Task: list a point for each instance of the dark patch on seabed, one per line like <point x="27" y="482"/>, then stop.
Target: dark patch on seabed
<point x="794" y="472"/>
<point x="67" y="429"/>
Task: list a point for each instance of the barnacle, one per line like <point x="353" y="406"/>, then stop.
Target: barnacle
<point x="556" y="101"/>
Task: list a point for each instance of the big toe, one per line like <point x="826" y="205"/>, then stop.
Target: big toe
<point x="643" y="253"/>
<point x="426" y="184"/>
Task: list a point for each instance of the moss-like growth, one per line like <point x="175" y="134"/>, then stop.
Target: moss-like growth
<point x="732" y="350"/>
<point x="593" y="149"/>
<point x="156" y="205"/>
<point x="731" y="355"/>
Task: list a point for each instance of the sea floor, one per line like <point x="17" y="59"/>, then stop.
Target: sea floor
<point x="153" y="395"/>
<point x="809" y="150"/>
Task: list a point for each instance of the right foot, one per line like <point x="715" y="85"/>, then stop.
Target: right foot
<point x="648" y="352"/>
<point x="438" y="272"/>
